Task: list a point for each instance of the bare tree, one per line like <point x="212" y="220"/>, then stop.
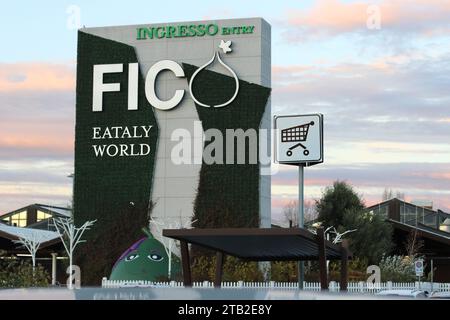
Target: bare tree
<point x="290" y="212"/>
<point x="310" y="211"/>
<point x="413" y="244"/>
<point x="32" y="244"/>
<point x="71" y="237"/>
<point x="389" y="194"/>
<point x="400" y="195"/>
<point x="338" y="236"/>
<point x="332" y="230"/>
<point x="327" y="232"/>
<point x="169" y="243"/>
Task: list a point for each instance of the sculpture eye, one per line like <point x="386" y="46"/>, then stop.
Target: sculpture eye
<point x="155" y="257"/>
<point x="131" y="257"/>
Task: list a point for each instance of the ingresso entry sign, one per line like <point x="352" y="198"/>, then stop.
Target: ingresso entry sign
<point x="299" y="139"/>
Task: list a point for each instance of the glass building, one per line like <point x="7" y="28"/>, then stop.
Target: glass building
<point x="410" y="214"/>
<point x="36" y="216"/>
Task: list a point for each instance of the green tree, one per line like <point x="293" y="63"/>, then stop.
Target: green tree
<point x="373" y="236"/>
<point x="342" y="208"/>
<point x="335" y="201"/>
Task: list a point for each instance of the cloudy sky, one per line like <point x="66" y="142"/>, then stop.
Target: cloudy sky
<point x="382" y="84"/>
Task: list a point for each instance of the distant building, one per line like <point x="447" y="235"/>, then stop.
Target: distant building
<point x="36" y="216"/>
<point x="35" y="222"/>
<point x="410" y="213"/>
<point x="431" y="227"/>
<point x="423" y="203"/>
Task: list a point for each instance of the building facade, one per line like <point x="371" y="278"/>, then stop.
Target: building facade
<point x="151" y="100"/>
<point x="427" y="226"/>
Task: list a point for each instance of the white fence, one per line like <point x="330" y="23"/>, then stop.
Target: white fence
<point x="362" y="287"/>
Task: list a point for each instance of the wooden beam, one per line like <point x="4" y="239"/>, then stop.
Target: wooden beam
<point x="322" y="259"/>
<point x="196" y="236"/>
<point x="185" y="260"/>
<point x="219" y="269"/>
<point x="260" y="232"/>
<point x="344" y="265"/>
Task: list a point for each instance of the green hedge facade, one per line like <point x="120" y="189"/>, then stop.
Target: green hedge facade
<point x="228" y="194"/>
<point x="114" y="190"/>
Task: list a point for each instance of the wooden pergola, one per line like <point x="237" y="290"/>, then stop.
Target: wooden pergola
<point x="259" y="244"/>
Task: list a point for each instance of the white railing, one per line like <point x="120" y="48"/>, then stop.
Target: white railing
<point x="353" y="287"/>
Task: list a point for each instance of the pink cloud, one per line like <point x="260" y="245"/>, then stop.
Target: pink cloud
<point x="13" y="201"/>
<point x="330" y="14"/>
<point x="279" y="70"/>
<point x="38" y="134"/>
<point x="36" y="76"/>
<point x="433" y="175"/>
<point x="29" y="138"/>
<point x="331" y="17"/>
<point x="294" y="181"/>
<point x="37" y="110"/>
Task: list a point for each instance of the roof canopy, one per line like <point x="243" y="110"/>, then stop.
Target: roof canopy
<point x="253" y="244"/>
<point x="54" y="210"/>
<point x="9" y="234"/>
<point x="58" y="210"/>
<point x="256" y="244"/>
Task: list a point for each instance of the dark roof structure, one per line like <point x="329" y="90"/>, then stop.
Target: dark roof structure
<point x="424" y="231"/>
<point x="270" y="244"/>
<point x="253" y="244"/>
<point x="399" y="210"/>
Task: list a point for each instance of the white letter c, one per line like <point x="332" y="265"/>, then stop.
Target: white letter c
<point x="150" y="85"/>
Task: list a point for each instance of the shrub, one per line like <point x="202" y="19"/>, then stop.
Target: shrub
<point x="234" y="269"/>
<point x="283" y="271"/>
<point x="397" y="269"/>
<point x="16" y="273"/>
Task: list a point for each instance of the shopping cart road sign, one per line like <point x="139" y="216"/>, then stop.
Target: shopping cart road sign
<point x="299" y="139"/>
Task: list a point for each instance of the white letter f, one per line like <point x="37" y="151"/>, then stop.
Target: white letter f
<point x="99" y="87"/>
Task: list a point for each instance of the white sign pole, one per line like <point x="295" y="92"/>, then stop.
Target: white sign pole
<point x="299" y="142"/>
<point x="419" y="270"/>
<point x="300" y="219"/>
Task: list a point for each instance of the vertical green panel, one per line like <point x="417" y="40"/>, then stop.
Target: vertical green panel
<point x="228" y="195"/>
<point x="113" y="190"/>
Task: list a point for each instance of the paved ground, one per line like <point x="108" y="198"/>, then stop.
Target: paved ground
<point x="174" y="294"/>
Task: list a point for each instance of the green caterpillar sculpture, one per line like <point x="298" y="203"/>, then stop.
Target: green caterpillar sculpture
<point x="147" y="260"/>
